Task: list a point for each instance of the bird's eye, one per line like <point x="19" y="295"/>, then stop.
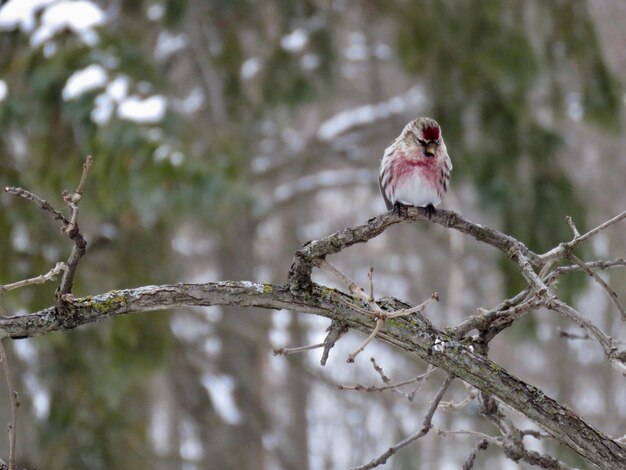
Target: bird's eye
<point x="421" y="142"/>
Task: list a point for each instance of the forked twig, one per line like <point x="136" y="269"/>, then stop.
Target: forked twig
<point x="41" y="279"/>
<point x="426" y="426"/>
<point x="376" y="311"/>
<point x="612" y="294"/>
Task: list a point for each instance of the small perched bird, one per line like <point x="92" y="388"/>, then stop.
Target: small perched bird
<point x="416" y="167"/>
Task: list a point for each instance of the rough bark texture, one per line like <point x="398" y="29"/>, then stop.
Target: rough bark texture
<point x="453" y="353"/>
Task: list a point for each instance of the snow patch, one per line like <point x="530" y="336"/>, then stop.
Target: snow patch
<point x="250" y="68"/>
<point x="21" y="13"/>
<point x="368" y="114"/>
<point x="84" y="80"/>
<point x="295" y="41"/>
<point x="221" y="389"/>
<point x="4" y="90"/>
<point x="80" y="17"/>
<point x="147" y="111"/>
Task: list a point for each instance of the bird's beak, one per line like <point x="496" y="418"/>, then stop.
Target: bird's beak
<point x="430" y="151"/>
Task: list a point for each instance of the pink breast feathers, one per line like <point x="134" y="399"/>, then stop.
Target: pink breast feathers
<point x="406" y="168"/>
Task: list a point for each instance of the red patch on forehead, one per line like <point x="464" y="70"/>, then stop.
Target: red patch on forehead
<point x="431" y="133"/>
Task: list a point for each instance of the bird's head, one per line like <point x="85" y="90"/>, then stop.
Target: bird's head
<point x="422" y="137"/>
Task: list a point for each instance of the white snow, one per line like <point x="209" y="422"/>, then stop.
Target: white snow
<point x="322" y="179"/>
<point x="368" y="114"/>
<point x="79" y="17"/>
<point x="294" y="41"/>
<point x="250" y="68"/>
<point x="168" y="44"/>
<point x="147" y="111"/>
<point x="310" y="61"/>
<point x="4" y="90"/>
<point x="21" y="13"/>
<point x="103" y="109"/>
<point x="221" y="389"/>
<point x="84" y="80"/>
<point x="192" y="103"/>
<point x="118" y="88"/>
<point x="156" y="12"/>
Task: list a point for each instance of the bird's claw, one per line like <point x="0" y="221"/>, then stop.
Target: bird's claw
<point x="400" y="209"/>
<point x="430" y="211"/>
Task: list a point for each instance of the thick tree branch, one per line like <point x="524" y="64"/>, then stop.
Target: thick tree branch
<point x="410" y="334"/>
<point x="448" y="350"/>
<point x="311" y="252"/>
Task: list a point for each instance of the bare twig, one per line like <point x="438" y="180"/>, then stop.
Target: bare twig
<point x="70" y="228"/>
<point x="568" y="335"/>
<point x="41" y="279"/>
<point x="469" y="463"/>
<point x="616" y="358"/>
<point x="41" y="203"/>
<point x="506" y="312"/>
<point x="515" y="453"/>
<point x="600" y="264"/>
<point x="612" y="294"/>
<point x="14" y="400"/>
<point x="288" y="351"/>
<point x="572" y="225"/>
<point x="335" y="331"/>
<point x="460" y="432"/>
<point x="561" y="250"/>
<point x="377" y="312"/>
<point x="426" y="426"/>
<point x="420" y="379"/>
<point x="379" y="324"/>
<point x="455" y="406"/>
<point x="64" y="291"/>
<point x="417" y="309"/>
<point x="72" y="199"/>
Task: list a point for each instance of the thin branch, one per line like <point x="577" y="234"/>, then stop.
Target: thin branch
<point x="455" y="406"/>
<point x="469" y="463"/>
<point x="379" y="324"/>
<point x="15" y="403"/>
<point x="612" y="294"/>
<point x="616" y="358"/>
<point x="561" y="250"/>
<point x="335" y="331"/>
<point x="377" y="311"/>
<point x="41" y="203"/>
<point x="493" y="321"/>
<point x="600" y="264"/>
<point x="288" y="351"/>
<point x="417" y="309"/>
<point x="426" y="426"/>
<point x="528" y="456"/>
<point x="64" y="291"/>
<point x="460" y="432"/>
<point x="420" y="379"/>
<point x="41" y="279"/>
<point x="572" y="225"/>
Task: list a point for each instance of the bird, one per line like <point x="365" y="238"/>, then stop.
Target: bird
<point x="415" y="168"/>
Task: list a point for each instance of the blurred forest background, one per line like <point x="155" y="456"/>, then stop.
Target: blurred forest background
<point x="227" y="133"/>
